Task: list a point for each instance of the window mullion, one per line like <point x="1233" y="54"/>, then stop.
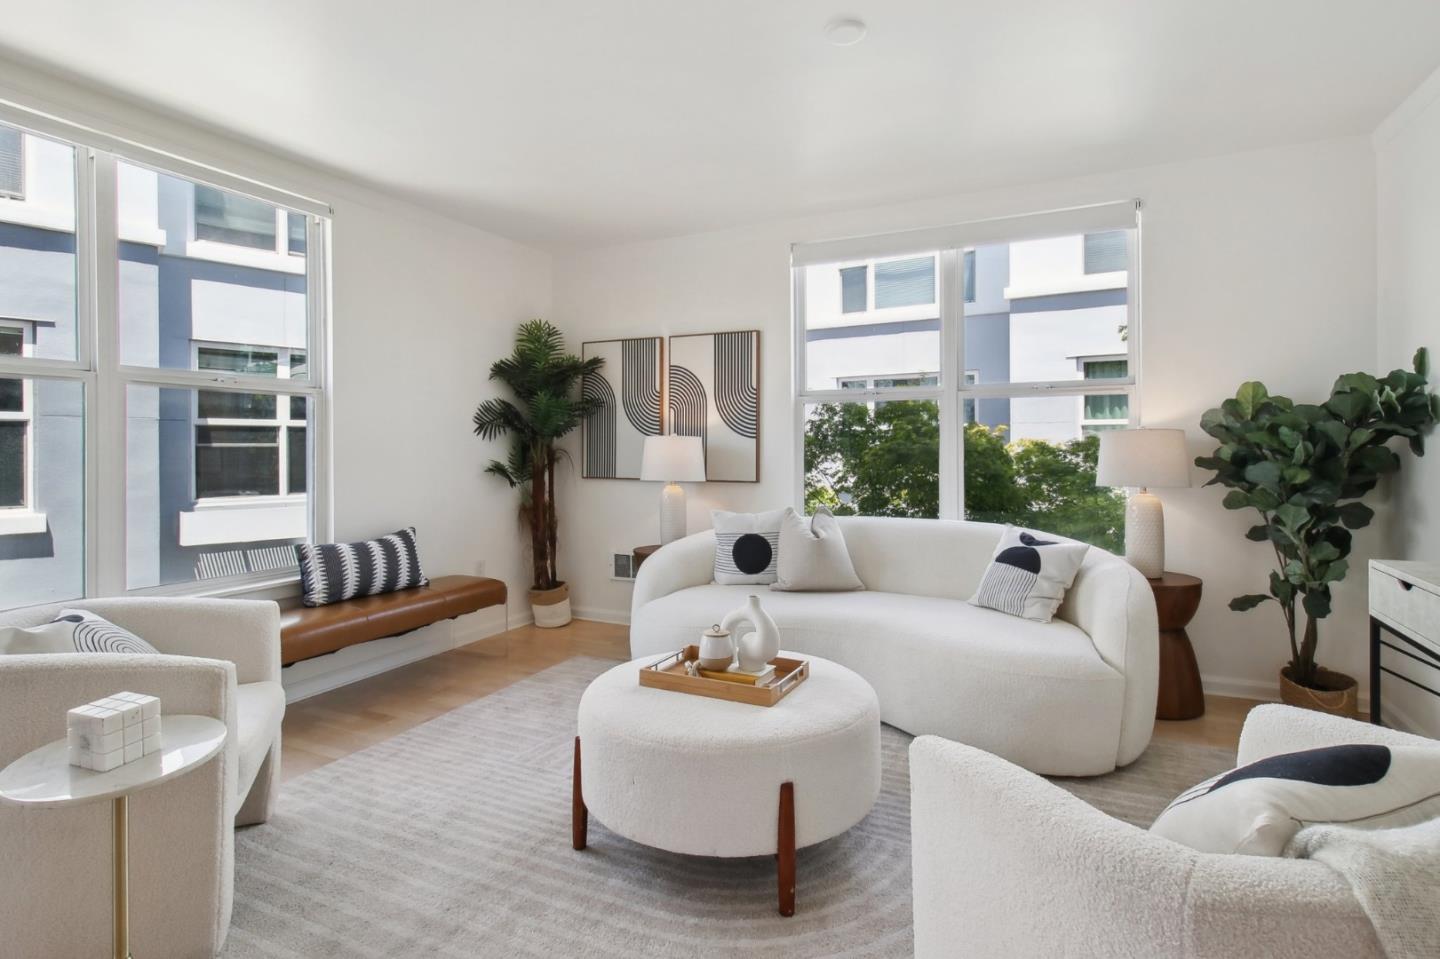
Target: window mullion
<point x="950" y="292"/>
<point x="107" y="539"/>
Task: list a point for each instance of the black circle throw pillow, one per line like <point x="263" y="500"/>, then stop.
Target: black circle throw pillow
<point x="751" y="553"/>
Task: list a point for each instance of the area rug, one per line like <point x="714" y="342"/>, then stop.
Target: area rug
<point x="452" y="839"/>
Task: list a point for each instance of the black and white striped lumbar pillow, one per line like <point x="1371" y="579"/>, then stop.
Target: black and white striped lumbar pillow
<point x="1028" y="575"/>
<point x="333" y="572"/>
<point x="747" y="547"/>
<point x="73" y="631"/>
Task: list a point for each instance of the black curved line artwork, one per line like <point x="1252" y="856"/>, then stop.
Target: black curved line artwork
<point x="640" y="384"/>
<point x="599" y="432"/>
<point x="735" y="392"/>
<point x="714" y="393"/>
<point x="687" y="405"/>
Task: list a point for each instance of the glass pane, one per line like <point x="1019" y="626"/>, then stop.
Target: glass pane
<point x="295" y="228"/>
<point x="1107" y="369"/>
<point x="969" y="276"/>
<point x="207" y="496"/>
<point x="297" y="468"/>
<point x="37" y="242"/>
<point x="13" y="462"/>
<point x="299" y="366"/>
<point x="1107" y="407"/>
<point x="909" y="282"/>
<point x="12" y="162"/>
<point x="1105" y="252"/>
<point x="848" y="347"/>
<point x="854" y="290"/>
<point x="873" y="459"/>
<point x="1041" y="485"/>
<point x="183" y="304"/>
<point x="231" y="218"/>
<point x="42" y="495"/>
<point x="1037" y="312"/>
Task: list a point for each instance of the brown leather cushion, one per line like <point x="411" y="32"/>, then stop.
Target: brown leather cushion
<point x="306" y="631"/>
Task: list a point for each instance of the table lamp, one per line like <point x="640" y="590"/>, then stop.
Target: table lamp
<point x="672" y="460"/>
<point x="1141" y="459"/>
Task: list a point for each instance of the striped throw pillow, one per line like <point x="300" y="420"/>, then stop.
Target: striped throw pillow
<point x="335" y="572"/>
<point x="747" y="547"/>
<point x="1028" y="575"/>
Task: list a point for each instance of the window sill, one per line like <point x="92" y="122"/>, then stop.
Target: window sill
<point x="216" y="524"/>
<point x="21" y="522"/>
<point x="273" y="585"/>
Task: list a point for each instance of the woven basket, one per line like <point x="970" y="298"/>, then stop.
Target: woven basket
<point x="1337" y="694"/>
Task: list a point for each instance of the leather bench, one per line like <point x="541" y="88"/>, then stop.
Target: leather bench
<point x="310" y="631"/>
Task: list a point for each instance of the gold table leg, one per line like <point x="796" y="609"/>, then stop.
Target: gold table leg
<point x="120" y="856"/>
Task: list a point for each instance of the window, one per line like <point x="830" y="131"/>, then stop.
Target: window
<point x="227" y="217"/>
<point x="909" y="282"/>
<point x="196" y="371"/>
<point x="15" y="453"/>
<point x="1105" y="252"/>
<point x="295" y="233"/>
<point x="931" y="410"/>
<point x="1104" y="411"/>
<point x="12" y="163"/>
<point x="855" y="289"/>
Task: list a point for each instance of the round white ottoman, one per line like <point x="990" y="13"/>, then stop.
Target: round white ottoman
<point x="711" y="777"/>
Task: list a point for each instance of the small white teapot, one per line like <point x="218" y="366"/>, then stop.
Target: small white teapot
<point x="756" y="648"/>
<point x="717" y="649"/>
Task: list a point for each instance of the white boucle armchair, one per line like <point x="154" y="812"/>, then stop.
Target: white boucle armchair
<point x="1008" y="864"/>
<point x="220" y="658"/>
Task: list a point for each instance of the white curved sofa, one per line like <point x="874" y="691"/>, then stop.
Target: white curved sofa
<point x="1075" y="697"/>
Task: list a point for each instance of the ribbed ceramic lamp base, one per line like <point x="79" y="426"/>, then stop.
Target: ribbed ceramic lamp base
<point x="672" y="513"/>
<point x="1145" y="534"/>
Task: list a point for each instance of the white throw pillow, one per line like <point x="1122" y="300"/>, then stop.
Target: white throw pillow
<point x="1029" y="574"/>
<point x="1256" y="809"/>
<point x="747" y="547"/>
<point x="813" y="556"/>
<point x="73" y="631"/>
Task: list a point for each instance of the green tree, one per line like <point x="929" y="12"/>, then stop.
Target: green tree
<point x="885" y="462"/>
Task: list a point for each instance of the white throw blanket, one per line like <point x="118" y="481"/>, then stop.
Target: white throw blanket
<point x="1394" y="873"/>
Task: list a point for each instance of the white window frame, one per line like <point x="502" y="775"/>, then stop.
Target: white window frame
<point x="106" y="381"/>
<point x="1106" y="390"/>
<point x="949" y="244"/>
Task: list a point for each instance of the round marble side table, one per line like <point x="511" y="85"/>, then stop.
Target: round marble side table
<point x="44" y="777"/>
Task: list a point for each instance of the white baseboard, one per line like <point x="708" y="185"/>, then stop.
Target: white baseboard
<point x="619" y="617"/>
<point x="324" y="673"/>
<point x="1265" y="692"/>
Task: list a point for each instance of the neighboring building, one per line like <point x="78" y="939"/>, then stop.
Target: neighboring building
<point x="1035" y="311"/>
<point x="216" y="480"/>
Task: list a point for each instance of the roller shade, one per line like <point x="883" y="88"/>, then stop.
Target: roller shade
<point x="1096" y="218"/>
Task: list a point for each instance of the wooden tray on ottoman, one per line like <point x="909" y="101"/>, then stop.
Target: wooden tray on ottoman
<point x="669" y="673"/>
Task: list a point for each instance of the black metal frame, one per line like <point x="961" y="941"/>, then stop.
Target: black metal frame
<point x="1430" y="658"/>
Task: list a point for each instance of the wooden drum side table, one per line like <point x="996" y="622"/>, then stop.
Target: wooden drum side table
<point x="1177" y="597"/>
<point x="44" y="778"/>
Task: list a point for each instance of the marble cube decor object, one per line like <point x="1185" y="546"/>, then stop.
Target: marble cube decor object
<point x="113" y="731"/>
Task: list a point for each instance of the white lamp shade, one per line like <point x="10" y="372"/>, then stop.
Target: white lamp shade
<point x="673" y="459"/>
<point x="1143" y="458"/>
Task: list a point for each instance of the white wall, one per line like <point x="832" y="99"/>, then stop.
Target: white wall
<point x="422" y="305"/>
<point x="1256" y="266"/>
<point x="1407" y="151"/>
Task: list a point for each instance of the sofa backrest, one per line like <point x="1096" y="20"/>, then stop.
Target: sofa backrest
<point x="922" y="557"/>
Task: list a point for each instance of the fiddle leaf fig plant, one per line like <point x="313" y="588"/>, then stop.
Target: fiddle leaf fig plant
<point x="1305" y="469"/>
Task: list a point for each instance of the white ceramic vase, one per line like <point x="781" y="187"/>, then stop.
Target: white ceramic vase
<point x="761" y="643"/>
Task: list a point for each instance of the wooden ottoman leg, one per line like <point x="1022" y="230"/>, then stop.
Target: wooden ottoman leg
<point x="579" y="815"/>
<point x="785" y="853"/>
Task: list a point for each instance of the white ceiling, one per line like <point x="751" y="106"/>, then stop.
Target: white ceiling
<point x="570" y="122"/>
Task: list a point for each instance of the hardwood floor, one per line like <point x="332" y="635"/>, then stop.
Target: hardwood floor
<point x="326" y="727"/>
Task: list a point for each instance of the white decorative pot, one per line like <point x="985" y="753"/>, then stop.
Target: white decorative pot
<point x="716" y="648"/>
<point x="756" y="648"/>
<point x="551" y="606"/>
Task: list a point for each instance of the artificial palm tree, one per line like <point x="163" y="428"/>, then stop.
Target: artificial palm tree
<point x="548" y="404"/>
